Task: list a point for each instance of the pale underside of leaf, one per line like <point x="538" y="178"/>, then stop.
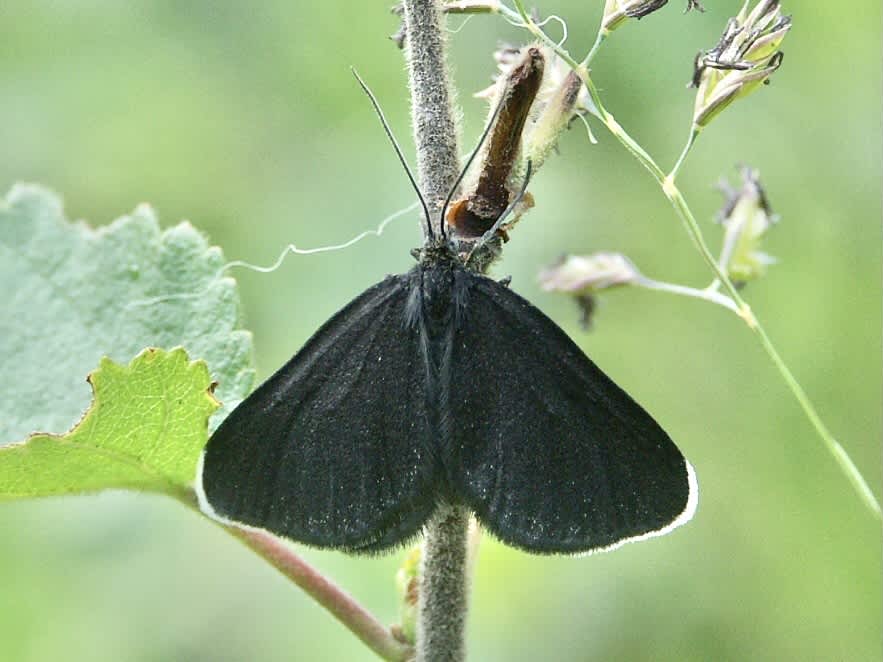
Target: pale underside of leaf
<point x="72" y="294"/>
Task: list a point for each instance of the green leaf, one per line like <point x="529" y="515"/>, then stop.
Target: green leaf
<point x="145" y="430"/>
<point x="73" y="294"/>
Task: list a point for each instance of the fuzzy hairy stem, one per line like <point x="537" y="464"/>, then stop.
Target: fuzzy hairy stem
<point x="432" y="103"/>
<point x="442" y="602"/>
<point x="442" y="607"/>
<point x="444" y="586"/>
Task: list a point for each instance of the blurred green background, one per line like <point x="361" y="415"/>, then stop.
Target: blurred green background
<point x="244" y="118"/>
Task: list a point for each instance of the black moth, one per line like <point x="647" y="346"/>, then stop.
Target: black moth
<point x="436" y="386"/>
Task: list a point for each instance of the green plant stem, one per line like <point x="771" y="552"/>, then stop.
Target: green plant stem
<point x="708" y="294"/>
<point x="840" y="455"/>
<point x="694" y="133"/>
<point x="521" y="17"/>
<point x="599" y="39"/>
<point x="743" y="310"/>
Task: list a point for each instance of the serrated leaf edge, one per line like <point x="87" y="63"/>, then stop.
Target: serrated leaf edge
<point x="179" y="491"/>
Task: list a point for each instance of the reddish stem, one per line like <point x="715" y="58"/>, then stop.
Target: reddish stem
<point x="337" y="601"/>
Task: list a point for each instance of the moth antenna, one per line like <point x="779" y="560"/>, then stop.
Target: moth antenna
<point x="429" y="233"/>
<point x="487" y="236"/>
<point x="481" y="141"/>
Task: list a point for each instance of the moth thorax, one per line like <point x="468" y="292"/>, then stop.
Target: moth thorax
<point x="437" y="291"/>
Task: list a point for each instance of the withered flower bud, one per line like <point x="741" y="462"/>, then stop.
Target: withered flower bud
<point x="583" y="276"/>
<point x="746" y="217"/>
<point x="575" y="274"/>
<point x="616" y="12"/>
<point x="744" y="58"/>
